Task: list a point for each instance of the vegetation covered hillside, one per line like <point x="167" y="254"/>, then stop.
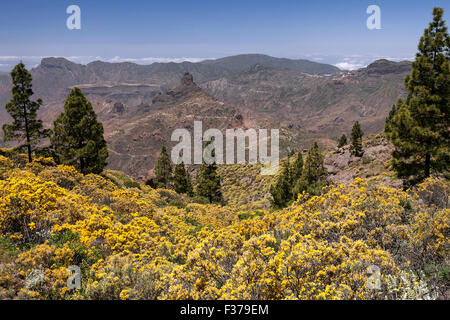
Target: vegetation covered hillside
<point x="244" y="186"/>
<point x="134" y="242"/>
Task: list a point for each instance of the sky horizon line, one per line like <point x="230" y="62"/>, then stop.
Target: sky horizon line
<point x="325" y="31"/>
<point x="345" y="64"/>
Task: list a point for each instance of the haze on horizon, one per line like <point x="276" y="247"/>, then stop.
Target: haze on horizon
<point x="144" y="32"/>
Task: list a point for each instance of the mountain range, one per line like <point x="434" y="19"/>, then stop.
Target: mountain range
<point x="140" y="105"/>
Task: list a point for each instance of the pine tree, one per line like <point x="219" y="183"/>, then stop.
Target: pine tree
<point x="208" y="183"/>
<point x="77" y="137"/>
<point x="342" y="141"/>
<point x="296" y="168"/>
<point x="313" y="174"/>
<point x="314" y="170"/>
<point x="392" y="113"/>
<point x="25" y="127"/>
<point x="182" y="180"/>
<point x="419" y="127"/>
<point x="356" y="140"/>
<point x="163" y="169"/>
<point x="281" y="190"/>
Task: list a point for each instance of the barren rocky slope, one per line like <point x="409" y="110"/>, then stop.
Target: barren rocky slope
<point x="320" y="104"/>
<point x="306" y="101"/>
<point x="135" y="136"/>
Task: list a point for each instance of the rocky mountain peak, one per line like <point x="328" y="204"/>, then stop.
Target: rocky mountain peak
<point x="51" y="62"/>
<point x="185" y="90"/>
<point x="187" y="79"/>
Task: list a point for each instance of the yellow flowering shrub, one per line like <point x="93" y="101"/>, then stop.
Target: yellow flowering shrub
<point x="64" y="176"/>
<point x="303" y="268"/>
<point x="431" y="231"/>
<point x="128" y="277"/>
<point x="95" y="187"/>
<point x="434" y="192"/>
<point x="30" y="207"/>
<point x="142" y="243"/>
<point x="39" y="164"/>
<point x="375" y="214"/>
<point x="5" y="166"/>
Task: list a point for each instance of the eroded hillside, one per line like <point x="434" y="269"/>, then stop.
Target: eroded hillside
<point x="141" y="105"/>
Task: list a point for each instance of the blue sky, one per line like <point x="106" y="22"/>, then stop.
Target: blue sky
<point x="326" y="31"/>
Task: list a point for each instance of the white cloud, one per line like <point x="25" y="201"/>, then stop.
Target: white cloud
<point x="149" y="60"/>
<point x="348" y="65"/>
<point x="18" y="58"/>
<point x="353" y="62"/>
<point x="8" y="58"/>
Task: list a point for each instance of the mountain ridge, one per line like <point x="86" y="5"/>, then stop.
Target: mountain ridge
<point x="139" y="108"/>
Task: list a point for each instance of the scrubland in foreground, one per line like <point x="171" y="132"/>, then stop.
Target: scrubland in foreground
<point x="134" y="242"/>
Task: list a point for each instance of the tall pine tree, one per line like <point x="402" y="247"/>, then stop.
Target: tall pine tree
<point x="208" y="181"/>
<point x="25" y="127"/>
<point x="309" y="175"/>
<point x="182" y="180"/>
<point x="163" y="169"/>
<point x="77" y="137"/>
<point x="356" y="140"/>
<point x="281" y="190"/>
<point x="296" y="169"/>
<point x="314" y="173"/>
<point x="419" y="127"/>
<point x="314" y="169"/>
